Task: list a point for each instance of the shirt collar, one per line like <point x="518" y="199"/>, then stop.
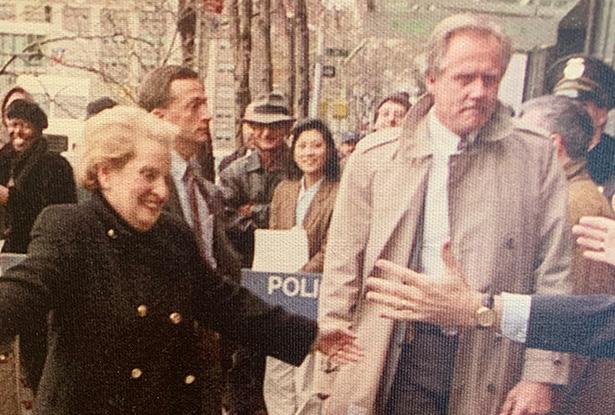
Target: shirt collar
<point x="314" y="187"/>
<point x="444" y="141"/>
<point x="179" y="165"/>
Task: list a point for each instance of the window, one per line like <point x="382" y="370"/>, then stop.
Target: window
<point x="76" y="19"/>
<point x="7" y="11"/>
<point x="36" y="13"/>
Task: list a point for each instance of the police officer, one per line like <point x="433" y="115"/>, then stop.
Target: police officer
<point x="591" y="82"/>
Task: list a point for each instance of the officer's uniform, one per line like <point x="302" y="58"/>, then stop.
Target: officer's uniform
<point x="589" y="79"/>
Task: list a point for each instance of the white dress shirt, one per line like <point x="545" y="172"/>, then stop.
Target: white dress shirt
<point x="304" y="200"/>
<point x="178" y="171"/>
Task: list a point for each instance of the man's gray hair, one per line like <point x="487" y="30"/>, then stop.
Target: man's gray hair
<point x="466" y="22"/>
<point x="564" y="116"/>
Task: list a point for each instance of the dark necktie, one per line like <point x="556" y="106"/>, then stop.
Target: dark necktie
<point x="192" y="187"/>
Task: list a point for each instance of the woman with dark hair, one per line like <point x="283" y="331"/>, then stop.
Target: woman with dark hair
<point x="305" y="199"/>
<point x="11" y="95"/>
<point x="38" y="177"/>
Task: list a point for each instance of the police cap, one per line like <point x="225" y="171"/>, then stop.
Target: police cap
<point x="583" y="77"/>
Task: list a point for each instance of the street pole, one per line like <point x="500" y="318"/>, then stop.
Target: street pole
<point x="320" y="46"/>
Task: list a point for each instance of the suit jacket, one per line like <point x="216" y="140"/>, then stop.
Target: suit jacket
<point x="124" y="305"/>
<point x="226" y="258"/>
<point x="578" y="324"/>
<point x="316" y="221"/>
<point x="591" y="380"/>
<point x="508" y="231"/>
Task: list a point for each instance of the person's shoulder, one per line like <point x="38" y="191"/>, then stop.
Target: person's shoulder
<point x="61" y="221"/>
<point x="382" y="139"/>
<point x="240" y="163"/>
<point x="52" y="159"/>
<point x="173" y="227"/>
<point x="529" y="138"/>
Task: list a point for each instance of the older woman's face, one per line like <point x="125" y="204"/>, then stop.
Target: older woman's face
<point x="21" y="133"/>
<point x="138" y="190"/>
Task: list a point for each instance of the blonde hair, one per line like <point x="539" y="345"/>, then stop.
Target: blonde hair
<point x="466" y="22"/>
<point x="112" y="137"/>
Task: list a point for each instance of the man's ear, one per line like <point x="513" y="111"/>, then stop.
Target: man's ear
<point x="159" y="112"/>
<point x="430" y="80"/>
<point x="557" y="141"/>
<point x="103" y="177"/>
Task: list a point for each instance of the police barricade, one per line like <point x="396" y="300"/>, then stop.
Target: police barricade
<point x="296" y="292"/>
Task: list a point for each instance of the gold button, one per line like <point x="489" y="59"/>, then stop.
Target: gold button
<point x="136" y="373"/>
<point x="175" y="317"/>
<point x="142" y="310"/>
<point x="189" y="380"/>
<point x="3" y="357"/>
<point x="111" y="233"/>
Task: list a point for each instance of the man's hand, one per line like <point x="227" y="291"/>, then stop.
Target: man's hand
<point x="446" y="301"/>
<point x="597" y="234"/>
<point x="528" y="398"/>
<point x="245" y="210"/>
<point x="4" y="194"/>
<point x="339" y="344"/>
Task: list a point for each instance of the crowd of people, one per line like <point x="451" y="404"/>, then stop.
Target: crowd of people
<point x="430" y="234"/>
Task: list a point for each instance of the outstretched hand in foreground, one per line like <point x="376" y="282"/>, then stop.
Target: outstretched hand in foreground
<point x="444" y="300"/>
<point x="597" y="235"/>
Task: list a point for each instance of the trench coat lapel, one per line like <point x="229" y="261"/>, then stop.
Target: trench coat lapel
<point x="398" y="193"/>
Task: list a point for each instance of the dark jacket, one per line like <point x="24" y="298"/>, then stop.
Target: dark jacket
<point x="601" y="160"/>
<point x="228" y="261"/>
<point x="124" y="306"/>
<point x="577" y="324"/>
<point x="41" y="178"/>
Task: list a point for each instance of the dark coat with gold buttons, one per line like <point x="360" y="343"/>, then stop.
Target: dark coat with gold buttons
<point x="124" y="306"/>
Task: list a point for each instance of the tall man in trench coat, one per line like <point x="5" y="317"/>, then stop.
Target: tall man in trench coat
<point x="457" y="159"/>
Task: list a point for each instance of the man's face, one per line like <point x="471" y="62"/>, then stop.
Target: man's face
<point x="21" y="133"/>
<point x="188" y="110"/>
<point x="347" y="148"/>
<point x="466" y="88"/>
<point x="269" y="137"/>
<point x="14" y="96"/>
<point x="390" y="114"/>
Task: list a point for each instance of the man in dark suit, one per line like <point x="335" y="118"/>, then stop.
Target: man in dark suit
<point x="577" y="324"/>
<point x="177" y="94"/>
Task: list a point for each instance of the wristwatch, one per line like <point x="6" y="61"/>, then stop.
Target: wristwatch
<point x="486" y="315"/>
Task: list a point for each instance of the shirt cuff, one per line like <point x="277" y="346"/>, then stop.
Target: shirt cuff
<point x="515" y="316"/>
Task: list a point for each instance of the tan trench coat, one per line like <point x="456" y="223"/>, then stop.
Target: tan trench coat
<point x="507" y="215"/>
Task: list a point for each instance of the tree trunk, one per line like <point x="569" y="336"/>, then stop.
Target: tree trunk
<point x="303" y="52"/>
<point x="287" y="22"/>
<point x="186" y="26"/>
<point x="240" y="14"/>
<point x="263" y="27"/>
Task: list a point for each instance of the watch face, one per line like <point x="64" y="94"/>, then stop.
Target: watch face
<point x="485" y="317"/>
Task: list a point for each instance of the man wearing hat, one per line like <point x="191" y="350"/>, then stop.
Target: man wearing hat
<point x="249" y="182"/>
<point x="591" y="82"/>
